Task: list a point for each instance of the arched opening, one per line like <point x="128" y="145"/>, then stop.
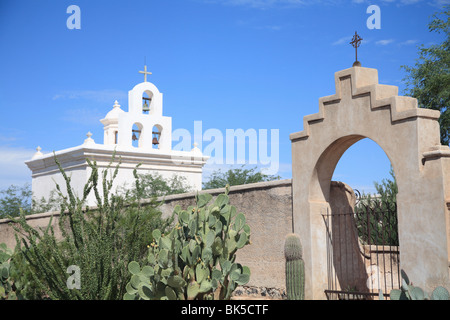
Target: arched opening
<point x="361" y="221"/>
<point x="136" y="135"/>
<point x="156" y="136"/>
<point x="409" y="135"/>
<point x="362" y="164"/>
<point x="146" y="101"/>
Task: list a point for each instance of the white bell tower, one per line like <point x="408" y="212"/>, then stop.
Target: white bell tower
<point x="144" y="125"/>
<point x="141" y="135"/>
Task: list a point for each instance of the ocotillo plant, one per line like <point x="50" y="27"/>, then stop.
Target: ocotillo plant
<point x="295" y="268"/>
<point x="99" y="241"/>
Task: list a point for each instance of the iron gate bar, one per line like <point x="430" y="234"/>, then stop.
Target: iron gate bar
<point x="386" y="216"/>
<point x="374" y="243"/>
<point x="354" y="293"/>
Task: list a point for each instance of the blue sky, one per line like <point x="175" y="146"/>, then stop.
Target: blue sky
<point x="260" y="64"/>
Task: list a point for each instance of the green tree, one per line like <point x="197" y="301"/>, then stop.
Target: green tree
<point x="429" y="79"/>
<point x="154" y="185"/>
<point x="376" y="215"/>
<point x="14" y="198"/>
<point x="237" y="176"/>
<point x="387" y="191"/>
<point x="52" y="203"/>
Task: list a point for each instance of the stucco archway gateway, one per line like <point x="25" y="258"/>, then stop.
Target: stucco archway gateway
<point x="362" y="108"/>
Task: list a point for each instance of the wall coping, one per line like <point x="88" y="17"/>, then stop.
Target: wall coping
<point x="233" y="189"/>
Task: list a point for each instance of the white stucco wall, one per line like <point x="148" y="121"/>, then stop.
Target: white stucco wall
<point x="45" y="173"/>
<point x="162" y="160"/>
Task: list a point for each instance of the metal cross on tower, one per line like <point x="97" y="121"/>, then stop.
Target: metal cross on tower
<point x="356" y="42"/>
<point x="145" y="73"/>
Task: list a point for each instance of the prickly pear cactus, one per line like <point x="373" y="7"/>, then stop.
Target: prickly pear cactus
<point x="440" y="293"/>
<point x="6" y="290"/>
<point x="409" y="292"/>
<point x="196" y="259"/>
<point x="295" y="268"/>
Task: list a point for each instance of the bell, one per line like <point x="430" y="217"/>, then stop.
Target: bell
<point x="155" y="141"/>
<point x="145" y="107"/>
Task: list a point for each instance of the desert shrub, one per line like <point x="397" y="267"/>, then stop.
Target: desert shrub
<point x="96" y="245"/>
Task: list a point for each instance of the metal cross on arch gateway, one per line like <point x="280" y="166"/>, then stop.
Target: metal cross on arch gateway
<point x="356" y="42"/>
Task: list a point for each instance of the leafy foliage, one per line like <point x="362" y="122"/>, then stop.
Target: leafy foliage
<point x="376" y="216"/>
<point x="237" y="176"/>
<point x="52" y="203"/>
<point x="16" y="198"/>
<point x="429" y="80"/>
<point x="154" y="185"/>
<point x="13" y="199"/>
<point x="387" y="192"/>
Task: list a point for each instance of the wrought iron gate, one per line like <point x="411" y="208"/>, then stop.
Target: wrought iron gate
<point x="362" y="251"/>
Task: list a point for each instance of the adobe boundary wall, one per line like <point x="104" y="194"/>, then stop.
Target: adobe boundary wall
<point x="268" y="210"/>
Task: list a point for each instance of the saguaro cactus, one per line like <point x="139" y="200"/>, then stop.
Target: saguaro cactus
<point x="295" y="268"/>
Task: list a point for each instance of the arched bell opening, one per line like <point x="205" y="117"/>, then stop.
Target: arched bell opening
<point x="147" y="97"/>
<point x="136" y="135"/>
<point x="156" y="136"/>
